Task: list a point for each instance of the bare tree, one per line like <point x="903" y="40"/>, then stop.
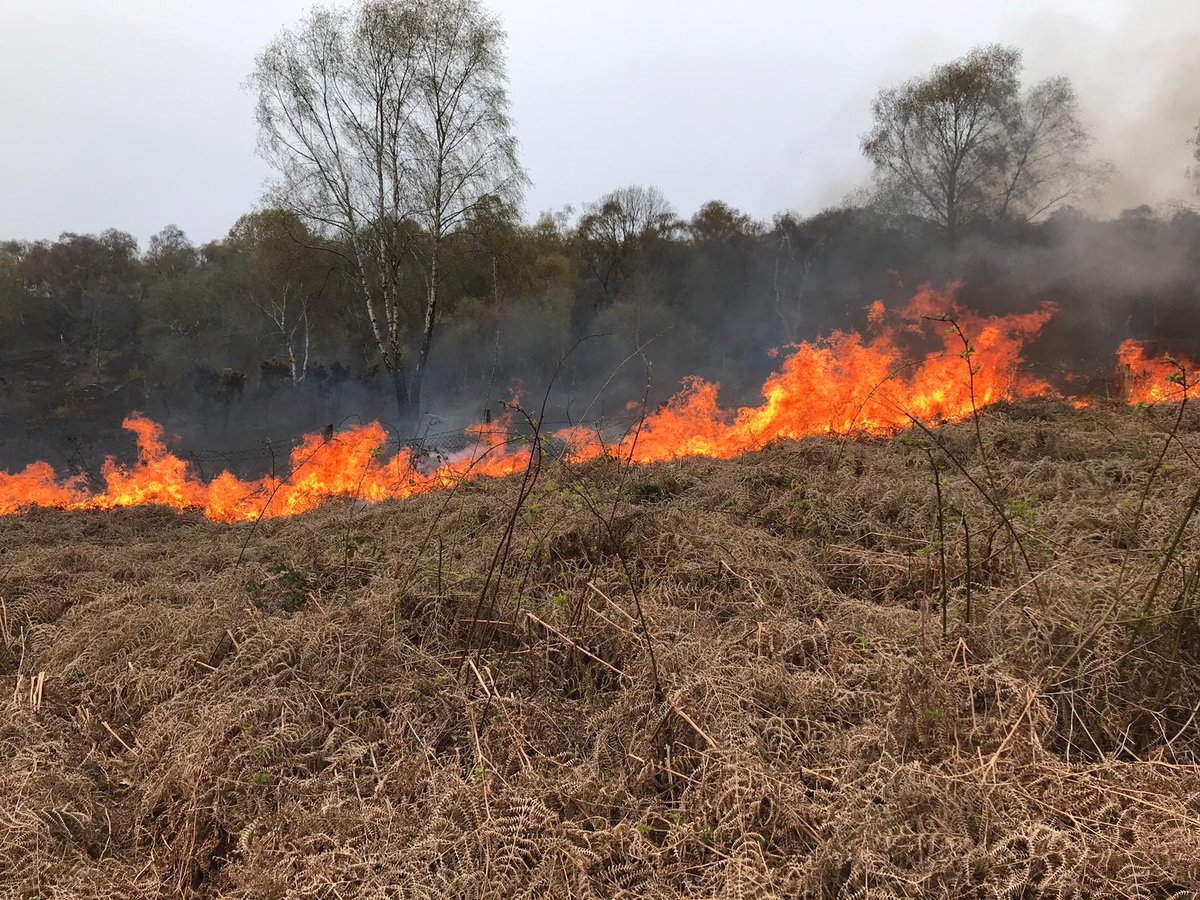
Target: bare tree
<point x="614" y="229"/>
<point x="275" y="262"/>
<point x="388" y="123"/>
<point x="789" y="284"/>
<point x="289" y="315"/>
<point x="1042" y="153"/>
<point x="464" y="153"/>
<point x="333" y="96"/>
<point x="963" y="143"/>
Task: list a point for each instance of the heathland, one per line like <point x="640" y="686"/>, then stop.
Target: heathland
<point x="958" y="662"/>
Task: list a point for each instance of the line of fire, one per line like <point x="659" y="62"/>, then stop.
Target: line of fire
<point x="933" y="361"/>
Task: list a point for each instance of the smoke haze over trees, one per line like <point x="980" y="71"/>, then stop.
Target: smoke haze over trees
<point x="389" y="273"/>
<point x="966" y="144"/>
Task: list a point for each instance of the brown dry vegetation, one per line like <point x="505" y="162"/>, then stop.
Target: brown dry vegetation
<point x="347" y="705"/>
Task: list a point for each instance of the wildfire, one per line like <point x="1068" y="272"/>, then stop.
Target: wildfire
<point x="1150" y="379"/>
<point x="846" y="383"/>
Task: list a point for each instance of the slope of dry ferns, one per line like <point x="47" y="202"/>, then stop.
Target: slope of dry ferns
<point x="456" y="696"/>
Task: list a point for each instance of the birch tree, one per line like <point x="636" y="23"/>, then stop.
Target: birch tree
<point x="388" y="123"/>
<point x="965" y="144"/>
<point x="277" y="266"/>
<point x="464" y="153"/>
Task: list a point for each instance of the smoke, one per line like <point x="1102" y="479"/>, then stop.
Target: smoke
<point x="1137" y="75"/>
<point x="716" y="311"/>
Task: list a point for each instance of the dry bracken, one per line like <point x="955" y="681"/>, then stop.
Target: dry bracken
<point x="369" y="701"/>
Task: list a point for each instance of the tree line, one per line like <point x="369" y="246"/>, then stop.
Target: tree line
<point x="389" y="268"/>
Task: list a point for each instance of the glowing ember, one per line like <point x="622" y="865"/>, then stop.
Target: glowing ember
<point x="1153" y="378"/>
<point x="846" y="383"/>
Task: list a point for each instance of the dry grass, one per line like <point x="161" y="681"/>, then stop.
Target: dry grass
<point x="339" y="715"/>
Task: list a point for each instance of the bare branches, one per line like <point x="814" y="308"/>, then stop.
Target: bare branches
<point x="964" y="143"/>
<point x="388" y="124"/>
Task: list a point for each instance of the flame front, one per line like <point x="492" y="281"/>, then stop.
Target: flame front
<point x="851" y="383"/>
<point x="1150" y="379"/>
<point x="846" y="383"/>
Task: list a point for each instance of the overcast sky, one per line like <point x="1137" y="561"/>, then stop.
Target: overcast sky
<point x="131" y="113"/>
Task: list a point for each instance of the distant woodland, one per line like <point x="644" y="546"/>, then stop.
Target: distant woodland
<point x="391" y="271"/>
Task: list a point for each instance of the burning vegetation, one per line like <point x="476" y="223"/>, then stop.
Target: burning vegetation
<point x="906" y="607"/>
<point x="1151" y="377"/>
<point x="956" y="663"/>
<point x="847" y="384"/>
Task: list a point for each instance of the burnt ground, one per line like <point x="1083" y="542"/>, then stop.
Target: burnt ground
<point x="769" y="676"/>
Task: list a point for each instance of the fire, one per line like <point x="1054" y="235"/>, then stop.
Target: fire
<point x="352" y="464"/>
<point x="848" y="383"/>
<point x="1150" y="379"/>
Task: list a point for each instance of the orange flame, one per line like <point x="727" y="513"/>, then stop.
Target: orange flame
<point x="846" y="383"/>
<point x="1153" y="379"/>
<point x="352" y="464"/>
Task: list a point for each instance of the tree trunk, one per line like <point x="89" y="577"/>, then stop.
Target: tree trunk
<point x="291" y="355"/>
<point x="401" y="392"/>
<point x="414" y="396"/>
<point x="951" y="211"/>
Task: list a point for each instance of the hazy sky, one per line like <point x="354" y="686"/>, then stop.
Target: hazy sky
<point x="131" y="113"/>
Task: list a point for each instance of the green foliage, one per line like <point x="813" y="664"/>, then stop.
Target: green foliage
<point x="286" y="589"/>
<point x="1018" y="508"/>
<point x="90" y="327"/>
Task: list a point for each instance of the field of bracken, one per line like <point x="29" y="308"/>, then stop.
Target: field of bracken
<point x="956" y="662"/>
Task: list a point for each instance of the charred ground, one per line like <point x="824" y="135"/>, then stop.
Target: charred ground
<point x="456" y="695"/>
